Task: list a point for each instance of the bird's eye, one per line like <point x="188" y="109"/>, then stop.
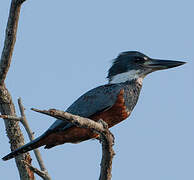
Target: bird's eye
<point x="139" y="60"/>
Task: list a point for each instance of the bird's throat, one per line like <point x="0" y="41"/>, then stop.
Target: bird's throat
<point x="126" y="76"/>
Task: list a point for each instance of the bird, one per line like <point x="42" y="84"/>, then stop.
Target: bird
<point x="112" y="102"/>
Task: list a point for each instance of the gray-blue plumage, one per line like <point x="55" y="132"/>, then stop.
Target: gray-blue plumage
<point x="99" y="99"/>
<point x="112" y="102"/>
<point x="93" y="101"/>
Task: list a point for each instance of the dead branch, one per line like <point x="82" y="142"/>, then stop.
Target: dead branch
<point x="31" y="137"/>
<point x="106" y="137"/>
<point x="10" y="38"/>
<point x="42" y="174"/>
<point x="10" y="117"/>
<point x="13" y="131"/>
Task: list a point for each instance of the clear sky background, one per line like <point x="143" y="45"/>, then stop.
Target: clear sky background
<point x="64" y="48"/>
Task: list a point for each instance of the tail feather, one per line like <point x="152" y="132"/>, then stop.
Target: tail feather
<point x="27" y="147"/>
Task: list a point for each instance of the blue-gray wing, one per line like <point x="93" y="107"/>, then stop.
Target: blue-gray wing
<point x="95" y="100"/>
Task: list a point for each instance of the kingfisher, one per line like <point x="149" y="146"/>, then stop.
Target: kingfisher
<point x="112" y="102"/>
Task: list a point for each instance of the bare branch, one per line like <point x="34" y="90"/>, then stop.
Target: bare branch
<point x="10" y="38"/>
<point x="6" y="104"/>
<point x="31" y="137"/>
<point x="106" y="137"/>
<point x="42" y="174"/>
<point x="77" y="120"/>
<point x="107" y="140"/>
<point x="10" y="117"/>
<point x="24" y="120"/>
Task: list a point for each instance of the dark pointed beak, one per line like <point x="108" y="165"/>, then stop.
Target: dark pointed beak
<point x="157" y="64"/>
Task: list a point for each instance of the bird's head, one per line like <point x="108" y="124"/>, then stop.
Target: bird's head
<point x="133" y="65"/>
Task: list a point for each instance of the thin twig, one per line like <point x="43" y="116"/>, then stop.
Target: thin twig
<point x="31" y="137"/>
<point x="106" y="137"/>
<point x="42" y="174"/>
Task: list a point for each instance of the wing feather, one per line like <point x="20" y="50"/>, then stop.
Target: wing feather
<point x="93" y="101"/>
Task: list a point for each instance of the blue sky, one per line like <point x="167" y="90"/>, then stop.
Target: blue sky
<point x="65" y="48"/>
